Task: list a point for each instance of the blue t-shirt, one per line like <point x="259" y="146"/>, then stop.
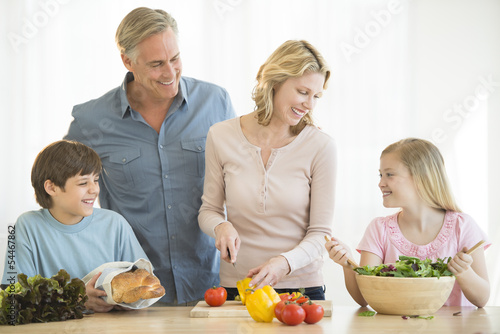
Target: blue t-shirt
<point x="44" y="246"/>
<point x="155" y="180"/>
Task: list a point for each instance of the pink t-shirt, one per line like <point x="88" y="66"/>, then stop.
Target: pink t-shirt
<point x="384" y="239"/>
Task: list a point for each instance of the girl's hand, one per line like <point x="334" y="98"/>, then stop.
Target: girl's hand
<point x="227" y="241"/>
<point x="338" y="252"/>
<point x="95" y="302"/>
<point x="460" y="263"/>
<point x="269" y="273"/>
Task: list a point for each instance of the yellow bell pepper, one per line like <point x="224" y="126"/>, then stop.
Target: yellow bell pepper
<point x="243" y="289"/>
<point x="261" y="303"/>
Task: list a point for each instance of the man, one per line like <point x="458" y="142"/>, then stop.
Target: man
<point x="150" y="134"/>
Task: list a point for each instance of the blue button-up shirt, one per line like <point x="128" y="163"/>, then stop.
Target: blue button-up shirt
<point x="155" y="180"/>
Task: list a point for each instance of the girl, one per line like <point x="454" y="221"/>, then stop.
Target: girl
<point x="429" y="224"/>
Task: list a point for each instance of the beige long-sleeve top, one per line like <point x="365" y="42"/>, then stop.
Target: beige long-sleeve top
<point x="284" y="208"/>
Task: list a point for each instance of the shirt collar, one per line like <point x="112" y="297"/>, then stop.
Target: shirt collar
<point x="179" y="98"/>
<point x="125" y="105"/>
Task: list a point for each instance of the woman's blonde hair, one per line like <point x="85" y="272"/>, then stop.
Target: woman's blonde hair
<point x="426" y="165"/>
<point x="140" y="24"/>
<point x="291" y="60"/>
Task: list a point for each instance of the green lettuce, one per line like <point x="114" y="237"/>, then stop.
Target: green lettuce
<point x="408" y="266"/>
<point x="39" y="299"/>
<point x="367" y="314"/>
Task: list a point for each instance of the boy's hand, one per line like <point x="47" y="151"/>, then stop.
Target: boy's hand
<point x="95" y="302"/>
<point x="460" y="263"/>
<point x="338" y="252"/>
<point x="121" y="308"/>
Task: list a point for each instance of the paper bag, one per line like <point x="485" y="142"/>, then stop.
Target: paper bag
<point x="109" y="271"/>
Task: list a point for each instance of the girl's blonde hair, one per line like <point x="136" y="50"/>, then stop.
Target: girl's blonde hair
<point x="290" y="60"/>
<point x="426" y="165"/>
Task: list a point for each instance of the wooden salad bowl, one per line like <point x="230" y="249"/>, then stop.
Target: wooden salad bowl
<point x="405" y="295"/>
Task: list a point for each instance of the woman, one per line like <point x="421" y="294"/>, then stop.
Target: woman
<point x="273" y="172"/>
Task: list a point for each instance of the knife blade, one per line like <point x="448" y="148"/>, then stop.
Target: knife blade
<point x="229" y="255"/>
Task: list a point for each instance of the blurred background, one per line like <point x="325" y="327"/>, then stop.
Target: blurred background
<point x="428" y="69"/>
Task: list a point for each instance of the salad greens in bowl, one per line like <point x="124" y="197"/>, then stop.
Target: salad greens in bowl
<point x="408" y="267"/>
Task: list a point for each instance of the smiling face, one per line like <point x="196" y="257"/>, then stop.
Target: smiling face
<point x="295" y="97"/>
<point x="157" y="69"/>
<point x="396" y="183"/>
<point x="76" y="200"/>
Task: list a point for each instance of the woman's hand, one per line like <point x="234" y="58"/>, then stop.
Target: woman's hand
<point x="460" y="263"/>
<point x="338" y="252"/>
<point x="227" y="241"/>
<point x="95" y="302"/>
<point x="269" y="273"/>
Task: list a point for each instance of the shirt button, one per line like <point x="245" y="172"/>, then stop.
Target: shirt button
<point x="199" y="148"/>
<point x="124" y="160"/>
<point x="169" y="207"/>
<point x="161" y="146"/>
<point x="172" y="237"/>
<point x="166" y="176"/>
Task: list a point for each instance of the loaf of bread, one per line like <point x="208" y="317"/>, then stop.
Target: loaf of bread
<point x="130" y="286"/>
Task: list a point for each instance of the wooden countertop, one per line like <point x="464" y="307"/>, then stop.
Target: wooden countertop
<point x="343" y="320"/>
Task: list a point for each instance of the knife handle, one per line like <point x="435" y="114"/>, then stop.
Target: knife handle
<point x="229" y="255"/>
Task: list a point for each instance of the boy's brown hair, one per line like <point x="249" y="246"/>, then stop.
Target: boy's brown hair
<point x="60" y="161"/>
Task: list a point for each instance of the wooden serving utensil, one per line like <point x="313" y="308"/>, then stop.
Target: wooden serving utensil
<point x="476" y="246"/>
<point x="351" y="262"/>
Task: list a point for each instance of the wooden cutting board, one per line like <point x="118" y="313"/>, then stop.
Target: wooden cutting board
<point x="234" y="309"/>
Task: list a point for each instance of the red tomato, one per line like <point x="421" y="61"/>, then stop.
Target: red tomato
<point x="216" y="296"/>
<point x="314" y="312"/>
<point x="292" y="314"/>
<point x="277" y="310"/>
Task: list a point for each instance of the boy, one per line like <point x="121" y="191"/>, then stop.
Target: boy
<point x="68" y="233"/>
